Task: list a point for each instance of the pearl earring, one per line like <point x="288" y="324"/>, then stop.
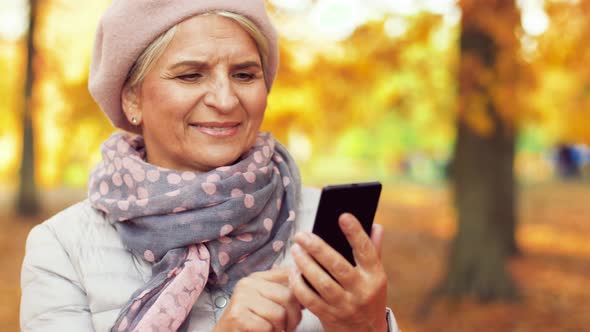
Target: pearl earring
<point x="134" y="120"/>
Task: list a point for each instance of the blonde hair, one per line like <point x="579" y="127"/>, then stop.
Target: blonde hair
<point x="152" y="53"/>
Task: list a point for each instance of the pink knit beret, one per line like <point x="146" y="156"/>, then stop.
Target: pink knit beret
<point x="129" y="26"/>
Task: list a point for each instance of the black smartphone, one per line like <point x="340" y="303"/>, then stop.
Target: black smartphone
<point x="359" y="199"/>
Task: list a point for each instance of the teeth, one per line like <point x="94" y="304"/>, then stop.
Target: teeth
<point x="215" y="128"/>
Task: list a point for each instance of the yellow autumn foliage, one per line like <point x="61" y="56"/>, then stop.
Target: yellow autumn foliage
<point x="371" y="100"/>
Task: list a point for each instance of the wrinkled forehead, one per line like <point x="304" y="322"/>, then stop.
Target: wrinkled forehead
<point x="205" y="35"/>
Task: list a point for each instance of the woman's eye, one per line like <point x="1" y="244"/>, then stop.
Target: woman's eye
<point x="189" y="77"/>
<point x="245" y="76"/>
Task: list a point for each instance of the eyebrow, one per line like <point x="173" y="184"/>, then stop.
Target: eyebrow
<point x="246" y="65"/>
<point x="203" y="64"/>
<point x="188" y="63"/>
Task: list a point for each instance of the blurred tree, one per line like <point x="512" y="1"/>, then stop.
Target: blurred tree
<point x="560" y="58"/>
<point x="28" y="196"/>
<point x="361" y="100"/>
<point x="482" y="167"/>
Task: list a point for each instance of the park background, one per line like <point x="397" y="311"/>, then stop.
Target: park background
<point x="474" y="115"/>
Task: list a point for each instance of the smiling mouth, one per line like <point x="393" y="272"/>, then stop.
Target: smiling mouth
<point x="217" y="129"/>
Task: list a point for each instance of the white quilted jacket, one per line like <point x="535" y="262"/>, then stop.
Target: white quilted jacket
<point x="77" y="275"/>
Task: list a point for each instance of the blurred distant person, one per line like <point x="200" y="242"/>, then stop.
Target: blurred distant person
<point x="568" y="162"/>
<point x="191" y="215"/>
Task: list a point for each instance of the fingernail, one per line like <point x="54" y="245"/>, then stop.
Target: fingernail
<point x="296" y="250"/>
<point x="293" y="274"/>
<point x="306" y="238"/>
<point x="302" y="237"/>
<point x="345" y="220"/>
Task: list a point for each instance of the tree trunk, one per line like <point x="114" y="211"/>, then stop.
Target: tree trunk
<point x="484" y="198"/>
<point x="483" y="176"/>
<point x="28" y="196"/>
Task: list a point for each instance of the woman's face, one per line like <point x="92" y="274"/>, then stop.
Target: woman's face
<point x="202" y="103"/>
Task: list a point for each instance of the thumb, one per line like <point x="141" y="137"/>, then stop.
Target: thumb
<point x="279" y="275"/>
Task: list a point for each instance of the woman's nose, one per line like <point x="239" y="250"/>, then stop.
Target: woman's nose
<point x="221" y="96"/>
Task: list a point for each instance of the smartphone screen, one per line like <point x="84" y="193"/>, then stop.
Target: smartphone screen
<point x="359" y="199"/>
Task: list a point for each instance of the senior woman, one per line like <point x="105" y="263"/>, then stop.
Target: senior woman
<point x="191" y="212"/>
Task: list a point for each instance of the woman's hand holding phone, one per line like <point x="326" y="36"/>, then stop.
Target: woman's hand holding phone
<point x="262" y="301"/>
<point x="353" y="298"/>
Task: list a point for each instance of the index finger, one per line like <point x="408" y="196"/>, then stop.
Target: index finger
<point x="363" y="249"/>
<point x="377" y="238"/>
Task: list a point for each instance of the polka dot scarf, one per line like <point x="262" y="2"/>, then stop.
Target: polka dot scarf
<point x="197" y="229"/>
